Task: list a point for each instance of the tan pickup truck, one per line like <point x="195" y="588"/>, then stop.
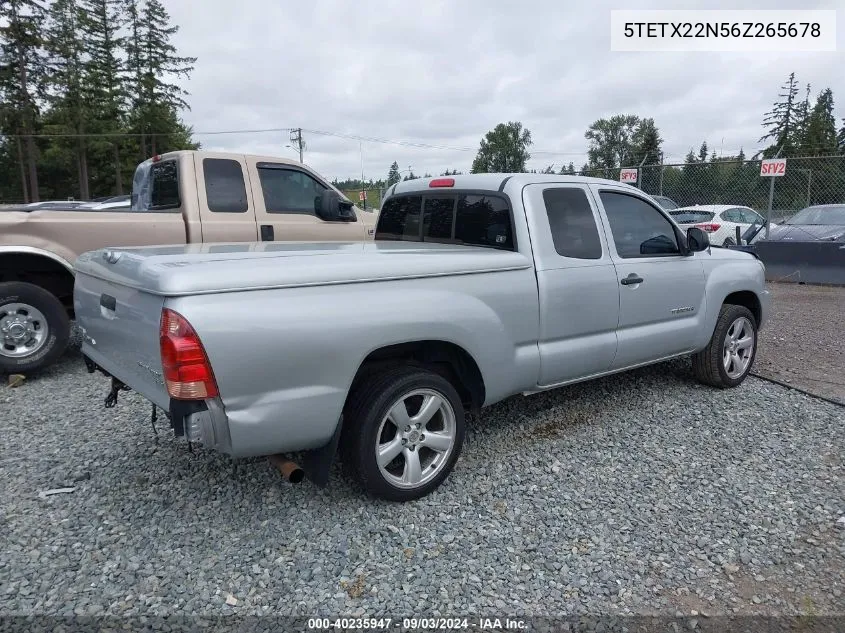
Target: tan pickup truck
<point x="177" y="198"/>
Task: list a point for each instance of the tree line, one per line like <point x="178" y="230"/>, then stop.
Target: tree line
<point x="88" y="89"/>
<point x="795" y="126"/>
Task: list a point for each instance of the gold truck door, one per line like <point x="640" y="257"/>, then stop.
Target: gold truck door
<point x="227" y="210"/>
<point x="285" y="195"/>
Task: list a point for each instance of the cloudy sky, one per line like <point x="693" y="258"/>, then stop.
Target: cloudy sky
<point x="443" y="72"/>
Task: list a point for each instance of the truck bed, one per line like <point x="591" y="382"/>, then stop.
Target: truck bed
<point x="236" y="267"/>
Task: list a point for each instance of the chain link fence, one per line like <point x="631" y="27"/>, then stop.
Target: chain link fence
<point x="807" y="181"/>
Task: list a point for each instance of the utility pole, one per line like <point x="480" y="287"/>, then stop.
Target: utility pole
<point x="296" y="137"/>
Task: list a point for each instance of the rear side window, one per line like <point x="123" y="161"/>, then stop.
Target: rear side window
<point x="224" y="185"/>
<point x="477" y="220"/>
<point x="155" y="186"/>
<point x="572" y="223"/>
<point x="483" y="221"/>
<point x="399" y="219"/>
<point x="288" y="190"/>
<point x="639" y="230"/>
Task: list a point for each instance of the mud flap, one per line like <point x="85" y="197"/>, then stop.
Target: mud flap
<point x="317" y="463"/>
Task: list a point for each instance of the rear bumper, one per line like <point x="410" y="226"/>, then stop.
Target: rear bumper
<point x="201" y="422"/>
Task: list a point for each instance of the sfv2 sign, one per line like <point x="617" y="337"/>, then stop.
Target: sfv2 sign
<point x="773" y="167"/>
<point x="629" y="175"/>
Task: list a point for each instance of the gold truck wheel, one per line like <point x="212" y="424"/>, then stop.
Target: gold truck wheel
<point x="34" y="328"/>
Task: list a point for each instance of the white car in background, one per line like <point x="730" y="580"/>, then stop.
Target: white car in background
<point x="719" y="221"/>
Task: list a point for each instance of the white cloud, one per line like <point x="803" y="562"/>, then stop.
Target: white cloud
<point x="444" y="73"/>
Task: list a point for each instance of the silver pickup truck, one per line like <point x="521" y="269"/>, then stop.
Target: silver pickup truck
<point x="475" y="288"/>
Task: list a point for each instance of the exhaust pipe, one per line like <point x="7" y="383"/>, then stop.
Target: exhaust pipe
<point x="290" y="470"/>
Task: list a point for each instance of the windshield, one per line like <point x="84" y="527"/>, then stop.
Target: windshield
<point x="687" y="216"/>
<point x="666" y="203"/>
<point x="819" y="215"/>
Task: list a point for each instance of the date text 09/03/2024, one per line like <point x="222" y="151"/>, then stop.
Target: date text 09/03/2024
<point x="414" y="624"/>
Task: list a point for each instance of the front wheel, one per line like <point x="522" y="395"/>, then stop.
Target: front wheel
<point x="728" y="358"/>
<point x="34" y="327"/>
<point x="403" y="432"/>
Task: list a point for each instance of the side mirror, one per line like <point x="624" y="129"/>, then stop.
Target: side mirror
<point x="329" y="206"/>
<point x="697" y="240"/>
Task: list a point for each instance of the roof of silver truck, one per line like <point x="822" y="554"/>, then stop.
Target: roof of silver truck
<point x="494" y="182"/>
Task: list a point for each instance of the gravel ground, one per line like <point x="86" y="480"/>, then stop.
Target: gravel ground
<point x="643" y="493"/>
<point x="803" y="344"/>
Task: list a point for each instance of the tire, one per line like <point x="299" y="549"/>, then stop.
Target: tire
<point x="368" y="417"/>
<point x="28" y="310"/>
<point x="729" y="241"/>
<point x="712" y="366"/>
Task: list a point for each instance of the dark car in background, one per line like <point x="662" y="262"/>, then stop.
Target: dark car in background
<point x="818" y="223"/>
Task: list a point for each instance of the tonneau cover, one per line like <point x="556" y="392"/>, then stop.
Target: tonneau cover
<point x="210" y="268"/>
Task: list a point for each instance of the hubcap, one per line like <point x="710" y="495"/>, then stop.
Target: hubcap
<point x="415" y="438"/>
<point x="738" y="349"/>
<point x="23" y="330"/>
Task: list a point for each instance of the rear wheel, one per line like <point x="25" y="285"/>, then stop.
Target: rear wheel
<point x="34" y="328"/>
<point x="403" y="433"/>
<point x="728" y="358"/>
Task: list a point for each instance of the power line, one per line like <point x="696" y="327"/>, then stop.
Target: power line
<point x="353" y="137"/>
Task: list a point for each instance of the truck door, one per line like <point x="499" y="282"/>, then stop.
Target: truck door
<point x="285" y="195"/>
<point x="227" y="210"/>
<point x="576" y="278"/>
<point x="661" y="291"/>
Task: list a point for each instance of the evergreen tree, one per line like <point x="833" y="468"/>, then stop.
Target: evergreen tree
<point x="393" y="175"/>
<point x="23" y="82"/>
<point x="781" y="121"/>
<point x="154" y="60"/>
<point x="840" y="138"/>
<point x="68" y="113"/>
<point x="101" y="23"/>
<point x="548" y="170"/>
<point x="569" y="169"/>
<point x="820" y="136"/>
<point x="646" y="143"/>
<point x="802" y="119"/>
<point x="503" y="149"/>
<point x="702" y="152"/>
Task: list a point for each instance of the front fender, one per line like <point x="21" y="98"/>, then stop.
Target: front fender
<point x="724" y="278"/>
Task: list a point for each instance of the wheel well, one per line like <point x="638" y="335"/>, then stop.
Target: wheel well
<point x="747" y="299"/>
<point x="451" y="361"/>
<point x="39" y="271"/>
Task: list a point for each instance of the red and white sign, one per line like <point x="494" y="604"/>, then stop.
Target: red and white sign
<point x="773" y="167"/>
<point x="629" y="174"/>
<point x="362" y="195"/>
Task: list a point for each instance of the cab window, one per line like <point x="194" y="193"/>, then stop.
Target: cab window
<point x="289" y="190"/>
<point x="638" y="229"/>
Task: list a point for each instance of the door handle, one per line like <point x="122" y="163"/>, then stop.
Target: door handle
<point x="267" y="233"/>
<point x="631" y="280"/>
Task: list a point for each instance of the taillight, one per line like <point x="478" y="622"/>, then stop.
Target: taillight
<point x="442" y="182"/>
<point x="709" y="227"/>
<point x="187" y="372"/>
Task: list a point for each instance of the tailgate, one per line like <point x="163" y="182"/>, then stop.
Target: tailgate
<point x="120" y="332"/>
